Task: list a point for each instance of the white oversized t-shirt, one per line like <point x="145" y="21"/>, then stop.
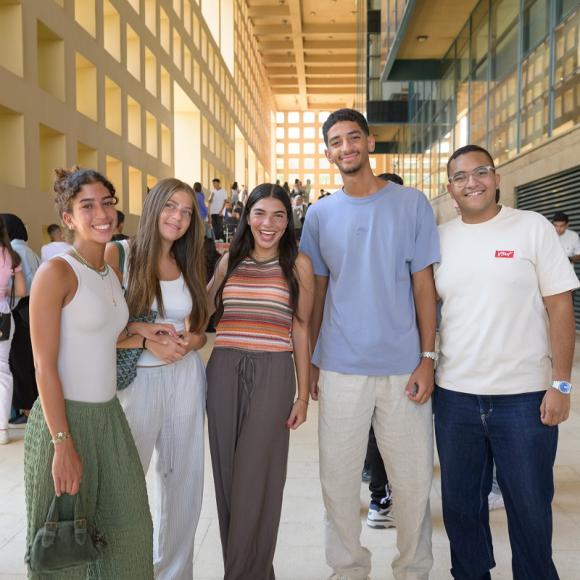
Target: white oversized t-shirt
<point x="491" y="280"/>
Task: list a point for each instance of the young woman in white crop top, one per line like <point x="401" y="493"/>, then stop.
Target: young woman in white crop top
<point x="77" y="438"/>
<point x="165" y="404"/>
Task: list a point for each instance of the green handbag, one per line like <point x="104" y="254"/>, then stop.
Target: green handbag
<point x="59" y="545"/>
<point x="127" y="358"/>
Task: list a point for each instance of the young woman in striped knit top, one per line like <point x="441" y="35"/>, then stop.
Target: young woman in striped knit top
<point x="263" y="293"/>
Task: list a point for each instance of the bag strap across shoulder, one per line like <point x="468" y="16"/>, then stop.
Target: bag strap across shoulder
<point x="121" y="249"/>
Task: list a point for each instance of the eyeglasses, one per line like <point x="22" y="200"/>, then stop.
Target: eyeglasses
<point x="461" y="178"/>
<point x="171" y="207"/>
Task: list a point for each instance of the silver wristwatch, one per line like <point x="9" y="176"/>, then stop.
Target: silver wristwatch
<point x="432" y="355"/>
<point x="563" y="386"/>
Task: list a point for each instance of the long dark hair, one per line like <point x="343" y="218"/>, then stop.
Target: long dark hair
<point x="143" y="284"/>
<point x="243" y="243"/>
<point x="15" y="227"/>
<point x="5" y="243"/>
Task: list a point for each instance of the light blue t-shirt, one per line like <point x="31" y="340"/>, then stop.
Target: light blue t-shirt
<point x="369" y="247"/>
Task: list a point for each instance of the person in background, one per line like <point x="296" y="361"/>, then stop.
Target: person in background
<point x="235" y="194"/>
<point x="244" y="195"/>
<point x="296" y="188"/>
<point x="21" y="358"/>
<point x="217" y="201"/>
<point x="569" y="239"/>
<point x="56" y="245"/>
<point x="200" y="199"/>
<point x="119" y="235"/>
<point x="77" y="438"/>
<point x="298" y="214"/>
<point x="262" y="290"/>
<point x="306" y="192"/>
<point x="9" y="267"/>
<point x="286" y="188"/>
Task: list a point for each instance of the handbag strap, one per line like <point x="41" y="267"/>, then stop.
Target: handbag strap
<point x="12" y="292"/>
<point x="52" y="520"/>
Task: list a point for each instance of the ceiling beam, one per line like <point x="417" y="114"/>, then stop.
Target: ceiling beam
<point x="329" y="44"/>
<point x="326" y="29"/>
<point x="260" y="12"/>
<point x="296" y="21"/>
<point x="276" y="45"/>
<point x="329" y="59"/>
<point x="273" y="30"/>
<point x="276" y="71"/>
<point x="324" y="91"/>
<point x="340" y="70"/>
<point x="333" y="81"/>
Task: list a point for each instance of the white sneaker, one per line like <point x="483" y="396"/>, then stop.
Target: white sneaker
<point x="495" y="501"/>
<point x="4" y="437"/>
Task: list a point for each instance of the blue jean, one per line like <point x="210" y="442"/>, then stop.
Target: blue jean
<point x="472" y="433"/>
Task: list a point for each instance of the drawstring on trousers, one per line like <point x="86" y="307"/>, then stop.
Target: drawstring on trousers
<point x="246" y="372"/>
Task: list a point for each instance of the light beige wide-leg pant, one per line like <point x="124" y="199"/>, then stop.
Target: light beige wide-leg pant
<point x="404" y="432"/>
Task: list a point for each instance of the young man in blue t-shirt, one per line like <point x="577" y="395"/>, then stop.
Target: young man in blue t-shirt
<point x="372" y="246"/>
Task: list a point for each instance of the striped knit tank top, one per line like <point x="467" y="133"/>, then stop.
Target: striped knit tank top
<point x="257" y="312"/>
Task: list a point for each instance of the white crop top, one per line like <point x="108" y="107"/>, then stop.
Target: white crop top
<point x="89" y="327"/>
<point x="178" y="304"/>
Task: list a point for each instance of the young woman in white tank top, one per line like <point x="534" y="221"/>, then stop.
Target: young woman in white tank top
<point x="77" y="438"/>
<point x="165" y="404"/>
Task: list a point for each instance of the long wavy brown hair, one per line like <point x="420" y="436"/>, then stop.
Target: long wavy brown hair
<point x="143" y="286"/>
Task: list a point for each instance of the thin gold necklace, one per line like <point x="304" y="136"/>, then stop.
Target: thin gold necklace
<point x="102" y="272"/>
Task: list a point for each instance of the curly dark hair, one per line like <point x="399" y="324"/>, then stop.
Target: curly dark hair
<point x="68" y="183"/>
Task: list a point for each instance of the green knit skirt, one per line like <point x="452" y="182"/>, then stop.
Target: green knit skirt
<point x="112" y="489"/>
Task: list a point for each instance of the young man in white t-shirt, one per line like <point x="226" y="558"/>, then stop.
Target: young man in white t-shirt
<point x="217" y="202"/>
<point x="569" y="239"/>
<point x="503" y="379"/>
<point x="56" y="246"/>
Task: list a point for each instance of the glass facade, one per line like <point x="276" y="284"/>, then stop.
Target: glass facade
<point x="509" y="82"/>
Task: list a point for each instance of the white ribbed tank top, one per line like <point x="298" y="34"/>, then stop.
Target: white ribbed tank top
<point x="89" y="327"/>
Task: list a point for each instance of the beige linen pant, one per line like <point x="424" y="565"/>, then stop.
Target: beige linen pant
<point x="404" y="433"/>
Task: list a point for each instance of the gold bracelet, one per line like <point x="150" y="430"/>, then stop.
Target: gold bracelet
<point x="60" y="437"/>
<point x="302" y="401"/>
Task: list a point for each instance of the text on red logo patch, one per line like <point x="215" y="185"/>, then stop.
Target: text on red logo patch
<point x="504" y="253"/>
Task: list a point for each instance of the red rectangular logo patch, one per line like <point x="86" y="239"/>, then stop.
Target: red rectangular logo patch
<point x="504" y="253"/>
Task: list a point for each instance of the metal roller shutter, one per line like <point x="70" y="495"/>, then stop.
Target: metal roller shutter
<point x="559" y="192"/>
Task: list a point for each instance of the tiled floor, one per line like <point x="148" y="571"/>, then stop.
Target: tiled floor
<point x="300" y="552"/>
